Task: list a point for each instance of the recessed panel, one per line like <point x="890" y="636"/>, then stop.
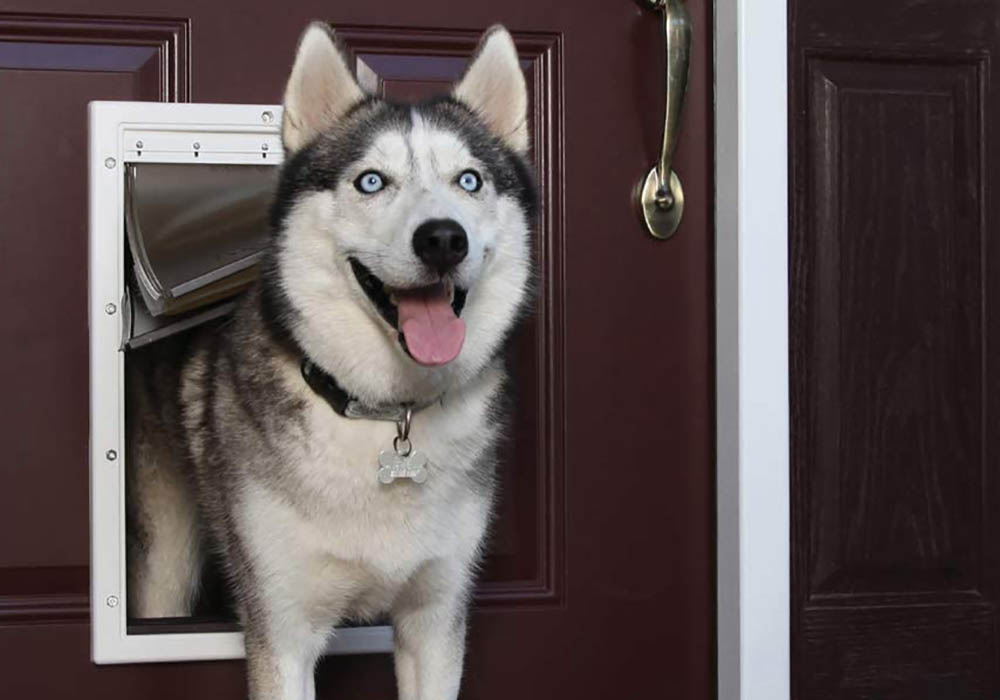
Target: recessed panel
<point x="412" y="66"/>
<point x="895" y="339"/>
<point x="50" y="68"/>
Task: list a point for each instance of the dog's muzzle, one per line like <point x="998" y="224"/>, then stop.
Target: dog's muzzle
<point x="426" y="318"/>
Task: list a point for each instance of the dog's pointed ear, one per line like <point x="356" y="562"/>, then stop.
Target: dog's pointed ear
<point x="493" y="86"/>
<point x="320" y="89"/>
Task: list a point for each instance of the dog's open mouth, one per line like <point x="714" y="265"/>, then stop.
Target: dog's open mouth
<point x="427" y="318"/>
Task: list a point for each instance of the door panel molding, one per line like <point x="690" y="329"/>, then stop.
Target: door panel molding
<point x="57" y="63"/>
<point x="894" y="581"/>
<point x="44" y="594"/>
<point x="849" y="435"/>
<point x="525" y="561"/>
<point x="167" y="65"/>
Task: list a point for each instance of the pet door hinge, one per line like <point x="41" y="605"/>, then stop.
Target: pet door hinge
<point x="126" y="320"/>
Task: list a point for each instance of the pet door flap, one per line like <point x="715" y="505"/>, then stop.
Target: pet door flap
<point x="195" y="231"/>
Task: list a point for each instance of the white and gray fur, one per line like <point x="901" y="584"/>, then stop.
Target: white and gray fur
<point x="232" y="451"/>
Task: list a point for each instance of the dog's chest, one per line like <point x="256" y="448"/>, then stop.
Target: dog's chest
<point x="329" y="508"/>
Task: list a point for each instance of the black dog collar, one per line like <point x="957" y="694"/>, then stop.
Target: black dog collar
<point x="350" y="406"/>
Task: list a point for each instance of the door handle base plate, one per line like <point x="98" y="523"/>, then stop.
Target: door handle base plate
<point x="661" y="221"/>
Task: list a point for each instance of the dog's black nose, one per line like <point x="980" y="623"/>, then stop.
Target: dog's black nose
<point x="441" y="243"/>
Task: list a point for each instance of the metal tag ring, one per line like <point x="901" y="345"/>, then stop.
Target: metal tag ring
<point x="404" y="443"/>
<point x="403" y="426"/>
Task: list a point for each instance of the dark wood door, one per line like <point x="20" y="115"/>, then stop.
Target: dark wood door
<point x="600" y="578"/>
<point x="894" y="291"/>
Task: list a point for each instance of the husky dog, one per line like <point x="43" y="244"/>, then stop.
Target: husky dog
<point x="334" y="440"/>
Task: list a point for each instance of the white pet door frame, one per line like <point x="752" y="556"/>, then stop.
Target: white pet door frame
<point x="147" y="132"/>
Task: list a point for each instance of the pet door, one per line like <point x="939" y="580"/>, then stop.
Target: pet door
<point x="179" y="202"/>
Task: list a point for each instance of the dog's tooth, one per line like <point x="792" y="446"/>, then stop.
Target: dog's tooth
<point x="392" y="298"/>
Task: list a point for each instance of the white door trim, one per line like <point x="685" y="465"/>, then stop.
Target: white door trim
<point x="751" y="146"/>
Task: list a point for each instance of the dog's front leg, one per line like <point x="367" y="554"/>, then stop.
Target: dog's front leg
<point x="280" y="665"/>
<point x="429" y="625"/>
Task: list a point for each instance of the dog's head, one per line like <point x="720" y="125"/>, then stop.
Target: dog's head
<point x="402" y="251"/>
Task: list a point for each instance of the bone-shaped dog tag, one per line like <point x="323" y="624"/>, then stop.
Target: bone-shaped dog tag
<point x="393" y="465"/>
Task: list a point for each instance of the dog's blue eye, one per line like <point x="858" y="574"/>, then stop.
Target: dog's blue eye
<point x="470" y="181"/>
<point x="369" y="182"/>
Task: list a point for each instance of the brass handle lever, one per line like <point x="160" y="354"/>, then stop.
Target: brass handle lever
<point x="660" y="194"/>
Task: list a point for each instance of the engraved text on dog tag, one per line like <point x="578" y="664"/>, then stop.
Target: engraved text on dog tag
<point x="393" y="465"/>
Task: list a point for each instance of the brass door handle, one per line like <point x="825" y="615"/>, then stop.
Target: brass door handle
<point x="660" y="194"/>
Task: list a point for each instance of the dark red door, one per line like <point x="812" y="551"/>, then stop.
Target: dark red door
<point x="600" y="580"/>
<point x="894" y="286"/>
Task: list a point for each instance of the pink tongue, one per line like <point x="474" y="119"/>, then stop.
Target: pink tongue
<point x="434" y="334"/>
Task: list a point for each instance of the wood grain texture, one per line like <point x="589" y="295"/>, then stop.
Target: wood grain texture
<point x="892" y="323"/>
<point x="895" y="333"/>
<point x="943" y="652"/>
